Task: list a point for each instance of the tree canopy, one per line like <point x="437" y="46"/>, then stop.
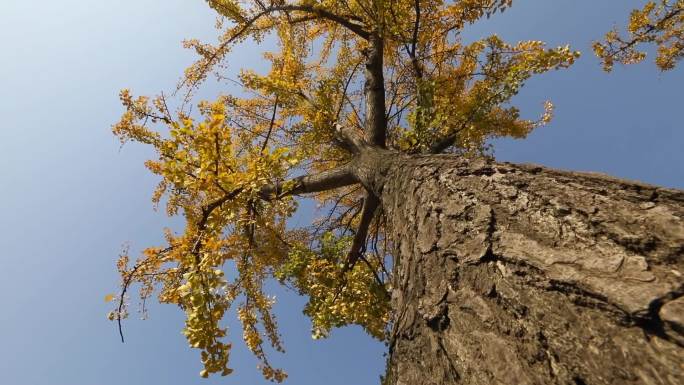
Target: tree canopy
<point x="398" y="74"/>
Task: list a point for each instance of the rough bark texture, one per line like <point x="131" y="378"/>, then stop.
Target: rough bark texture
<point x="518" y="274"/>
<point x="374" y="91"/>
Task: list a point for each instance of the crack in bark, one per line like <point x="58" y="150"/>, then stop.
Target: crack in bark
<point x="649" y="321"/>
<point x="452" y="366"/>
<point x="529" y="275"/>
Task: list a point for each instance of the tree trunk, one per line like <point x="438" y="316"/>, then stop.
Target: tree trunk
<point x="519" y="274"/>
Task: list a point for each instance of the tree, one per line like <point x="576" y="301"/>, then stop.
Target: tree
<point x="471" y="270"/>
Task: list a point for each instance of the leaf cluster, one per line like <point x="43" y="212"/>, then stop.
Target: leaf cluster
<point x="660" y="23"/>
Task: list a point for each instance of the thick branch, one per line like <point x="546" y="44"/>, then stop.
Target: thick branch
<point x="414" y="42"/>
<point x="305" y="184"/>
<point x="358" y="247"/>
<point x="349" y="140"/>
<point x="374" y="90"/>
<point x="443" y="143"/>
<point x="345" y="21"/>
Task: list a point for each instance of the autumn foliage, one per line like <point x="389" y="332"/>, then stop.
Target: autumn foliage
<point x="398" y="72"/>
<point x="658" y="22"/>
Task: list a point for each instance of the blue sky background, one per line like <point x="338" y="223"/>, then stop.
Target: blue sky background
<point x="70" y="196"/>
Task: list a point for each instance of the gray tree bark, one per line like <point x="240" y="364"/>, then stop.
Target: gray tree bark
<point x="519" y="274"/>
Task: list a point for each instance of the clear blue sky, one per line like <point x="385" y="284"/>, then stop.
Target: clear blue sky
<point x="70" y="196"/>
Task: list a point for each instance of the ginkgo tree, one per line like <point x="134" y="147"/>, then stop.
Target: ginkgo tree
<point x="361" y="98"/>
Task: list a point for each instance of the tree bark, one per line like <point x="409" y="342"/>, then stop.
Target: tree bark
<point x="520" y="274"/>
<point x="374" y="91"/>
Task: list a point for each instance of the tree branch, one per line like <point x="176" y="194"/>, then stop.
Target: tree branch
<point x="443" y="143"/>
<point x="345" y="21"/>
<point x="305" y="184"/>
<point x="416" y="27"/>
<point x="271" y="123"/>
<point x="349" y="140"/>
<point x="374" y="91"/>
<point x="370" y="204"/>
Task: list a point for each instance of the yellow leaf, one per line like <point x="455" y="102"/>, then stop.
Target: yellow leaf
<point x="109" y="297"/>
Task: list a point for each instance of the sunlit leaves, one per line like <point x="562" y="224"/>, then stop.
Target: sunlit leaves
<point x="213" y="177"/>
<point x="337" y="299"/>
<point x="467" y="100"/>
<point x="660" y="23"/>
